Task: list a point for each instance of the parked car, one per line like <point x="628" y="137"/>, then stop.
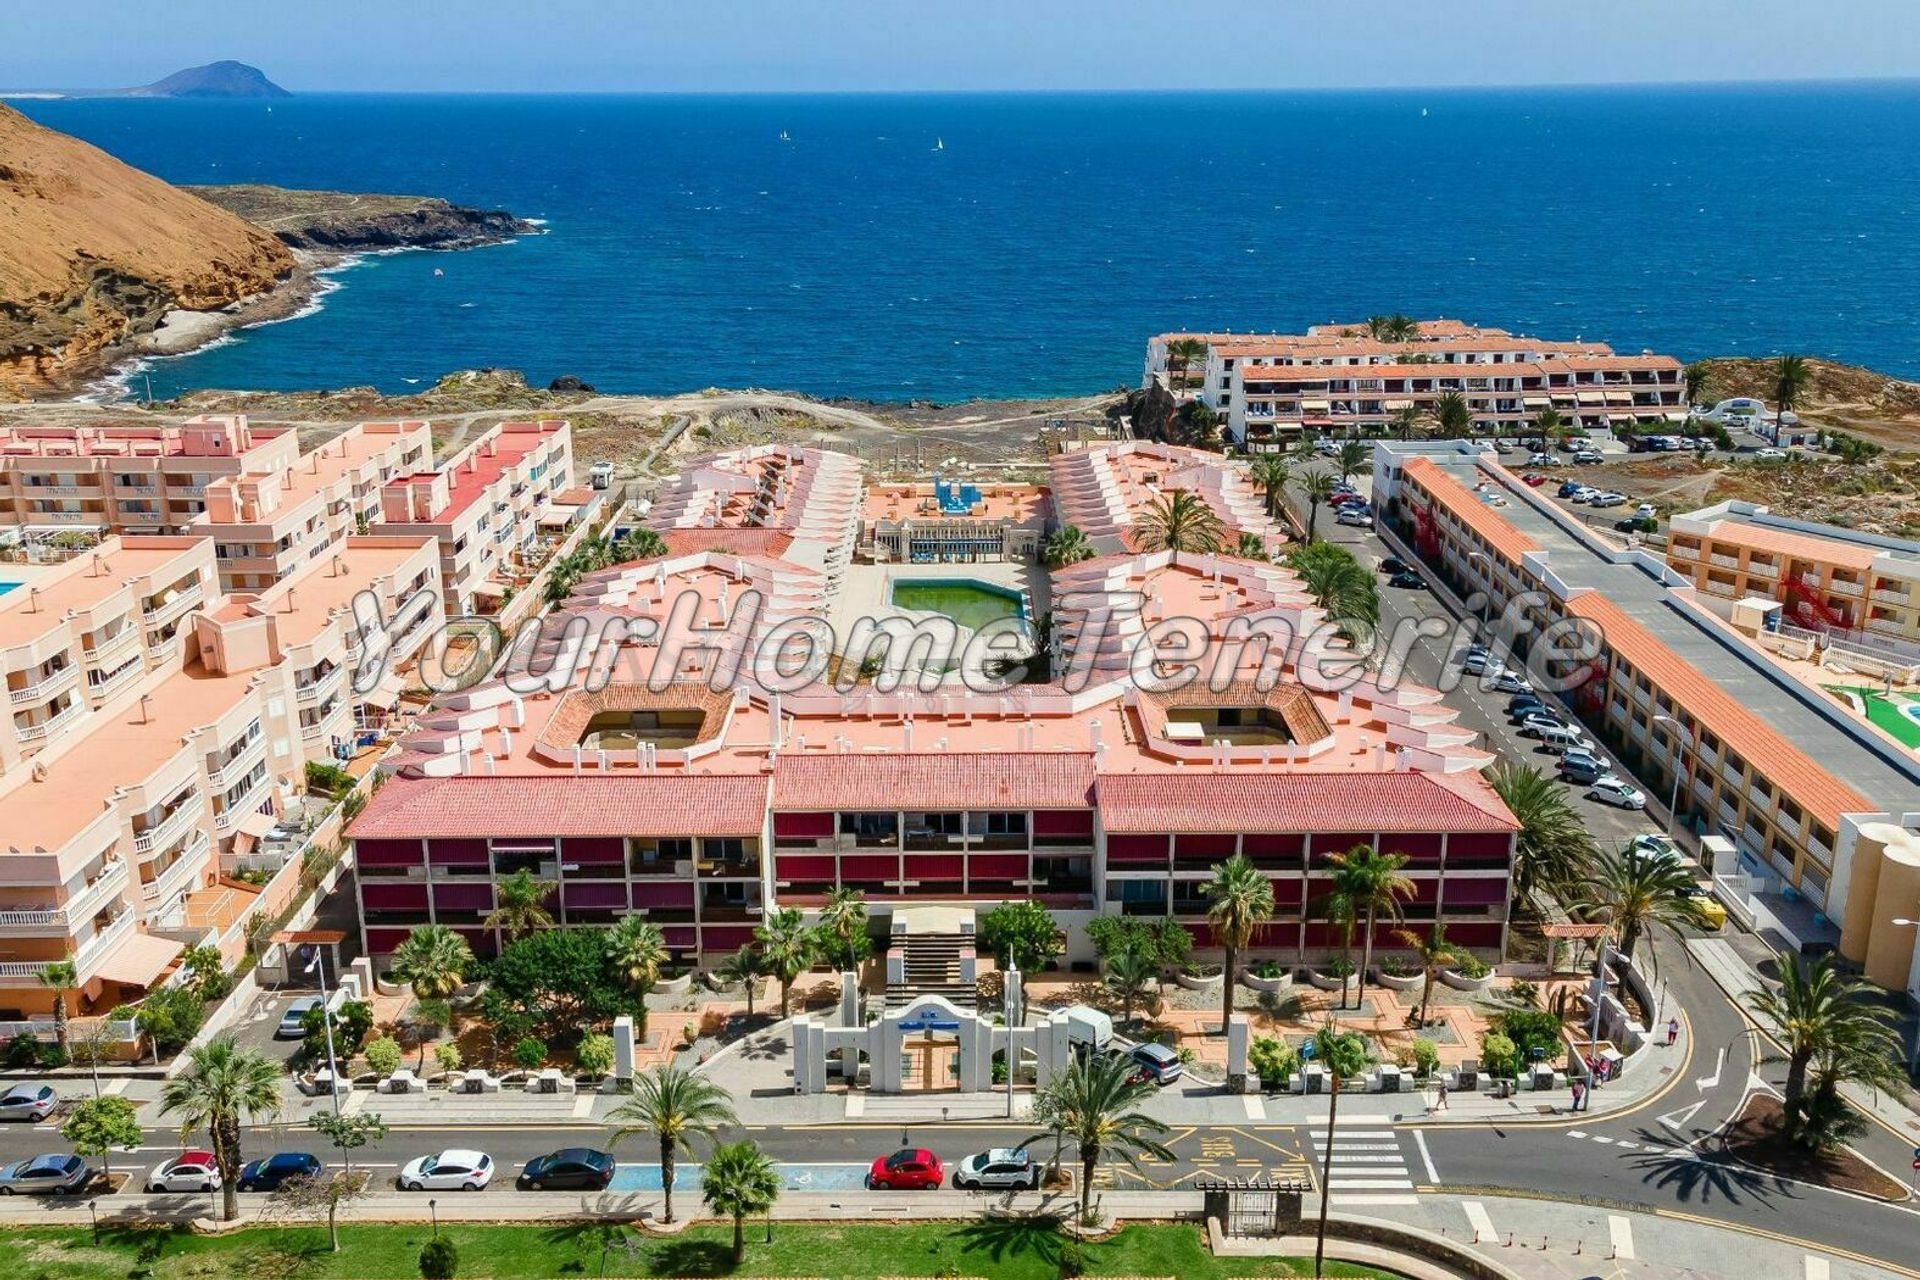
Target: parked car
<point x="1533" y="479"/>
<point x="1587" y="457"/>
<point x="1564" y="737"/>
<point x="912" y="1169"/>
<point x="455" y="1169"/>
<point x="1656" y="847"/>
<point x="1394" y="564"/>
<point x="1409" y="581"/>
<point x="1645" y="511"/>
<point x="1477" y="664"/>
<point x="1522" y="705"/>
<point x="293" y="1021"/>
<point x="282" y="1166"/>
<point x="1537" y="723"/>
<point x="191" y="1170"/>
<point x="1161" y="1064"/>
<point x="1607" y="499"/>
<point x="1567" y="489"/>
<point x="1354" y="517"/>
<point x="1544" y="460"/>
<point x="1584" y="768"/>
<point x="1001" y="1169"/>
<point x="55" y="1174"/>
<point x="1771" y="454"/>
<point x="1616" y="792"/>
<point x="1510" y="682"/>
<point x="28" y="1102"/>
<point x="1713" y="914"/>
<point x="568" y="1169"/>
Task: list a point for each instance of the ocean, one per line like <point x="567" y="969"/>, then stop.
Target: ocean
<point x="951" y="246"/>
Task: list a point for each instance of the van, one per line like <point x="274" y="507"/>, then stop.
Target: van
<point x="1560" y="738"/>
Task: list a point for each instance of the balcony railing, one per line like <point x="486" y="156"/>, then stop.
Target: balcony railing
<point x="163" y="833"/>
<point x="224" y="821"/>
<point x="88" y="954"/>
<point x="238" y="767"/>
<point x="177" y="876"/>
<point x="45" y="687"/>
<point x="35" y="732"/>
<point x="308" y="694"/>
<point x="155" y="615"/>
<point x="104" y="651"/>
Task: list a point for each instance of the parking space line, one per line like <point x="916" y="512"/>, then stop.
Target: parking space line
<point x="1477" y="1219"/>
<point x="1621" y="1230"/>
<point x="582" y="1106"/>
<point x="1256" y="1106"/>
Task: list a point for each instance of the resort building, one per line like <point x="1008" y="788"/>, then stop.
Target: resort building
<point x="686" y="783"/>
<point x="1102" y="491"/>
<point x="267" y="523"/>
<point x="1762" y="759"/>
<point x="159" y="730"/>
<point x="1338" y="379"/>
<point x="484" y="505"/>
<point x="1829" y="578"/>
<point x="804" y="502"/>
<point x="953" y="522"/>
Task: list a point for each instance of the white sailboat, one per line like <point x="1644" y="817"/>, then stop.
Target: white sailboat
<point x="785" y="136"/>
<point x="939" y="144"/>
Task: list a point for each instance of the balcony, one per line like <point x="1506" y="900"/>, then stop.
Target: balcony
<point x="101" y="690"/>
<point x="167" y="610"/>
<point x="168" y="828"/>
<point x="1724" y="562"/>
<point x="1841" y="587"/>
<point x="106" y="652"/>
<point x="1882" y="596"/>
<point x="225" y="821"/>
<point x="27" y="972"/>
<point x="239" y="766"/>
<point x="1762" y="569"/>
<point x="45" y="687"/>
<point x="180" y="875"/>
<point x="35" y="732"/>
<point x="83" y="906"/>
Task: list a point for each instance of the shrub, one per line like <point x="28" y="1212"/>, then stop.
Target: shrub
<point x="171" y="1016"/>
<point x="1498" y="1055"/>
<point x="53" y="1056"/>
<point x="1524" y="991"/>
<point x="1469" y="965"/>
<point x="383" y="1055"/>
<point x="1426" y="1057"/>
<point x="1398" y="967"/>
<point x="327" y="779"/>
<point x="1535" y="1033"/>
<point x="1266" y="969"/>
<point x="1073" y="1259"/>
<point x="439" y="1260"/>
<point x="1338" y="969"/>
<point x="23" y="1051"/>
<point x="594" y="1054"/>
<point x="1272" y="1059"/>
<point x="447" y="1054"/>
<point x="529" y="1053"/>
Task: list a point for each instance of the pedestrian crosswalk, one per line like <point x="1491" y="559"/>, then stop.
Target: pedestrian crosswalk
<point x="1369" y="1162"/>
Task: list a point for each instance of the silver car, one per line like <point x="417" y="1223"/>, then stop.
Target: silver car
<point x="28" y="1102"/>
<point x="45" y="1175"/>
<point x="1001" y="1169"/>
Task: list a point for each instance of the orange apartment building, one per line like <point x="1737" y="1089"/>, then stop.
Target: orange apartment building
<point x="158" y="730"/>
<point x="483" y="505"/>
<point x="1271" y="389"/>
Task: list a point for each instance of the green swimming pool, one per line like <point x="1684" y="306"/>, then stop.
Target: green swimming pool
<point x="969" y="603"/>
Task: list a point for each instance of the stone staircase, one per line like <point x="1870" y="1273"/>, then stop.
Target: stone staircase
<point x="932" y="965"/>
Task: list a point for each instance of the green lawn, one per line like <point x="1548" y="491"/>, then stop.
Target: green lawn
<point x="1003" y="1251"/>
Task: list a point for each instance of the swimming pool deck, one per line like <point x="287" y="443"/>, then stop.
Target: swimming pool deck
<point x="867" y="591"/>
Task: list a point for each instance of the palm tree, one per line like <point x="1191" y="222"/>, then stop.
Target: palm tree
<point x="673" y="1104"/>
<point x="1816" y="1011"/>
<point x="518" y="910"/>
<point x="843" y="920"/>
<point x="1393" y="328"/>
<point x="1316" y="487"/>
<point x="1344" y="1055"/>
<point x="1239" y="900"/>
<point x="637" y="951"/>
<point x="1338" y="909"/>
<point x="1373" y="880"/>
<point x="1791" y="376"/>
<point x="1548" y="423"/>
<point x="433" y="960"/>
<point x="1553" y="848"/>
<point x="1405" y="419"/>
<point x="1181" y="353"/>
<point x="1699" y="382"/>
<point x="223" y="1086"/>
<point x="1095" y="1101"/>
<point x="1176" y="522"/>
<point x="638" y="544"/>
<point x="1130" y="973"/>
<point x="737" y="1180"/>
<point x="1337" y="581"/>
<point x="746" y="967"/>
<point x="1434" y="951"/>
<point x="787" y="946"/>
<point x="1251" y="546"/>
<point x="63" y="976"/>
<point x="1067" y="545"/>
<point x="1636" y="894"/>
<point x="1866" y="1053"/>
<point x="1271" y="471"/>
<point x="1354" y="457"/>
<point x="1452" y="415"/>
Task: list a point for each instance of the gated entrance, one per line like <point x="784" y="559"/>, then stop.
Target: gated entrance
<point x="1247" y="1207"/>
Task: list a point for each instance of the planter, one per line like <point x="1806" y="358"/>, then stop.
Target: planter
<point x="1327" y="982"/>
<point x="1252" y="980"/>
<point x="674" y="986"/>
<point x="1193" y="983"/>
<point x="1394" y="983"/>
<point x="1461" y="982"/>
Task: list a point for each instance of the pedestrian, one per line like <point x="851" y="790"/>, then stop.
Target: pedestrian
<point x="1673" y="1031"/>
<point x="1441" y="1103"/>
<point x="1579" y="1092"/>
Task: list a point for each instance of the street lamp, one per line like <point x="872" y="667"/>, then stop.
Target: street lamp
<point x="1683" y="741"/>
<point x="326" y="1020"/>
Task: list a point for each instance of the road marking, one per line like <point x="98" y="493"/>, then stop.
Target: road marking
<point x="856" y="1105"/>
<point x="1341" y="1148"/>
<point x="1370" y="1184"/>
<point x="1705" y="1083"/>
<point x="1599" y="1138"/>
<point x="116" y="1087"/>
<point x="1621" y="1229"/>
<point x="1256" y="1106"/>
<point x="1359" y="1119"/>
<point x="1674" y="1119"/>
<point x="1818" y="1268"/>
<point x="582" y="1106"/>
<point x="1378" y="1135"/>
<point x="1576" y="1133"/>
<point x="1627" y="1146"/>
<point x="1477" y="1219"/>
<point x="1345" y="1159"/>
<point x="356" y="1100"/>
<point x="1426" y="1156"/>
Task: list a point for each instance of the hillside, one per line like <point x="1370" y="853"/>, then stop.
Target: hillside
<point x="224" y="79"/>
<point x="340" y="222"/>
<point x="1840" y="397"/>
<point x="93" y="251"/>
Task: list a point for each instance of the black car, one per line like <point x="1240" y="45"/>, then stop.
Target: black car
<point x="1411" y="581"/>
<point x="568" y="1169"/>
<point x="1394" y="564"/>
<point x="1523" y="706"/>
<point x="281" y="1167"/>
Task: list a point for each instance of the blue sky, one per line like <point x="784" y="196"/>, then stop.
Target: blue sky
<point x="775" y="45"/>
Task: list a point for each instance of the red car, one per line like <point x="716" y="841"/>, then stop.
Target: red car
<point x="1534" y="478"/>
<point x="915" y="1169"/>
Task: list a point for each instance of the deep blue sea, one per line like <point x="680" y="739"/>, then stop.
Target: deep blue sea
<point x="688" y="245"/>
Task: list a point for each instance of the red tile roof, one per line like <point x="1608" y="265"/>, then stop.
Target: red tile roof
<point x="1150" y="803"/>
<point x="588" y="805"/>
<point x="940" y="780"/>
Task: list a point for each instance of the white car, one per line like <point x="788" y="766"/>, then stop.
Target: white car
<point x="188" y="1171"/>
<point x="1001" y="1169"/>
<point x="28" y="1102"/>
<point x="1615" y="792"/>
<point x="1354" y="516"/>
<point x="1657" y="848"/>
<point x="454" y="1169"/>
<point x="1771" y="454"/>
<point x="1511" y="682"/>
<point x="1607" y="499"/>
